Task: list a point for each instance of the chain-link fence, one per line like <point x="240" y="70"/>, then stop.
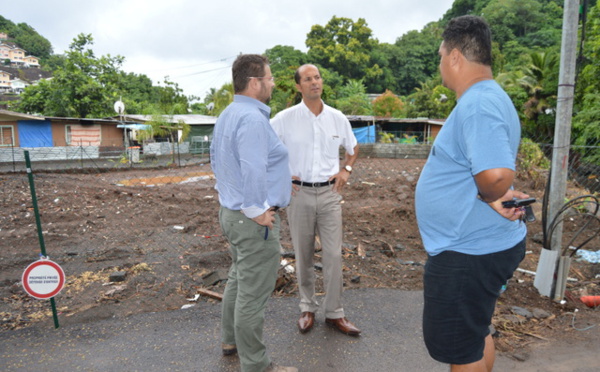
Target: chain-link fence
<point x="95" y="158"/>
<point x="151" y="212"/>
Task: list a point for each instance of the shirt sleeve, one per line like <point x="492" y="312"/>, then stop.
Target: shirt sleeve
<point x="253" y="154"/>
<point x="486" y="141"/>
<point x="349" y="138"/>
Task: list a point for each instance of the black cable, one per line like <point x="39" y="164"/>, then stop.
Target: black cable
<point x="588" y="199"/>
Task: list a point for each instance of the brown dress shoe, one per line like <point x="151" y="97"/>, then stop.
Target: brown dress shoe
<point x="306" y="321"/>
<point x="343" y="325"/>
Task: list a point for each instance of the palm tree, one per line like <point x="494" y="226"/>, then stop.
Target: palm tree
<point x="534" y="87"/>
<point x="163" y="125"/>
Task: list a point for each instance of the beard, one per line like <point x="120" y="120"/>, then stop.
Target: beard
<point x="265" y="94"/>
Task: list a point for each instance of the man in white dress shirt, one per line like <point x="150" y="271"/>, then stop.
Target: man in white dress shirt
<point x="313" y="133"/>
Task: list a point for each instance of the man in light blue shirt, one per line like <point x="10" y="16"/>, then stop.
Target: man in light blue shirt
<point x="473" y="243"/>
<point x="253" y="181"/>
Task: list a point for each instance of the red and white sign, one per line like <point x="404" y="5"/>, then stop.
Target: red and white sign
<point x="43" y="279"/>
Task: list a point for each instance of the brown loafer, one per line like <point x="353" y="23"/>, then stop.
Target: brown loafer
<point x="343" y="325"/>
<point x="306" y="321"/>
<point x="229" y="349"/>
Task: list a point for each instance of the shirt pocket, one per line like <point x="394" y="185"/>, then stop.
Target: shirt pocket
<point x="333" y="147"/>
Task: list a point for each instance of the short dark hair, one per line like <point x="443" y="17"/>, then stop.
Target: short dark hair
<point x="246" y="66"/>
<point x="471" y="36"/>
<point x="297" y="73"/>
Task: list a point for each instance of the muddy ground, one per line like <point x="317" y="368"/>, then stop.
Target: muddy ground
<point x="159" y="228"/>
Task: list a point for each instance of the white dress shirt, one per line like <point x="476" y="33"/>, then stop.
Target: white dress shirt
<point x="313" y="141"/>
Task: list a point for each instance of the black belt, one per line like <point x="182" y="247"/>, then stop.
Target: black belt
<point x="313" y="184"/>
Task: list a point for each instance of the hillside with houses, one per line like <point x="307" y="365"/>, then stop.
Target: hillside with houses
<point x="18" y="69"/>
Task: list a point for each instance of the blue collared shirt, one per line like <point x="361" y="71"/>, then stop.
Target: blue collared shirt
<point x="249" y="161"/>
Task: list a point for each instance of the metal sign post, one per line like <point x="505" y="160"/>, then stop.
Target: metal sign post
<point x="40" y="237"/>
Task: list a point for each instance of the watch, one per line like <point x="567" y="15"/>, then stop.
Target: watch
<point x="348" y="168"/>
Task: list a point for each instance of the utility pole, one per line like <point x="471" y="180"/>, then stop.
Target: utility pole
<point x="560" y="151"/>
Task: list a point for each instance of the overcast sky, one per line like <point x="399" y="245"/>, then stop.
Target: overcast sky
<point x="194" y="42"/>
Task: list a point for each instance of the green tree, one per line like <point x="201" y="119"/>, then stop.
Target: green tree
<point x="388" y="58"/>
<point x="352" y="99"/>
<point x="136" y="92"/>
<point x="538" y="80"/>
<point x="431" y="100"/>
<point x="418" y="57"/>
<point x="586" y="129"/>
<point x="170" y="99"/>
<point x="586" y="123"/>
<point x="217" y="100"/>
<point x="464" y="7"/>
<point x="27" y="38"/>
<point x="344" y="46"/>
<point x="509" y="19"/>
<point x="284" y="60"/>
<point x="388" y="105"/>
<point x="35" y="44"/>
<point x="83" y="87"/>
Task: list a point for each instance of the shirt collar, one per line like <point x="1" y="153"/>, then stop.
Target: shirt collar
<point x="240" y="98"/>
<point x="305" y="108"/>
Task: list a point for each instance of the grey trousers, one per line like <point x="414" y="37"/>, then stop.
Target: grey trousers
<point x="250" y="283"/>
<point x="317" y="211"/>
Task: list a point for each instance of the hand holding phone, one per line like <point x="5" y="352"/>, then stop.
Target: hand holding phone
<point x="517" y="203"/>
<point x="529" y="216"/>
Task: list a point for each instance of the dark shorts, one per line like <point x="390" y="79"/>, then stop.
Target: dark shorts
<point x="460" y="296"/>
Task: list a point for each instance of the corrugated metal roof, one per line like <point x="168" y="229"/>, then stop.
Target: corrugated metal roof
<point x="191" y="119"/>
<point x="369" y="118"/>
<point x="13" y="116"/>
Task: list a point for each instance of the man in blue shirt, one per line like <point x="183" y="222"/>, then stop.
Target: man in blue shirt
<point x="473" y="244"/>
<point x="253" y="181"/>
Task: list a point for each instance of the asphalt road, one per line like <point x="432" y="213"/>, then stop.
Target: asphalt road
<point x="188" y="340"/>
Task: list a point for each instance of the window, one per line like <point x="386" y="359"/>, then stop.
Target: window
<point x="6" y="136"/>
<point x="68" y="136"/>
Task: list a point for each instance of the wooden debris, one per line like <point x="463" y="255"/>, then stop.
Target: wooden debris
<point x="361" y="251"/>
<point x="211" y="294"/>
<point x="388" y="249"/>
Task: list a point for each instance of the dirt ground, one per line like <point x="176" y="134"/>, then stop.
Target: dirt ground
<point x="159" y="228"/>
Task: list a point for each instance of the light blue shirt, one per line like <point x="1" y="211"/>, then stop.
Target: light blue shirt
<point x="482" y="132"/>
<point x="249" y="161"/>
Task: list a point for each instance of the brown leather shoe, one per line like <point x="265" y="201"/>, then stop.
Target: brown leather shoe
<point x="306" y="321"/>
<point x="228" y="349"/>
<point x="343" y="325"/>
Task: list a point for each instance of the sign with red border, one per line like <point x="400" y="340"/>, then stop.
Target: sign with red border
<point x="43" y="279"/>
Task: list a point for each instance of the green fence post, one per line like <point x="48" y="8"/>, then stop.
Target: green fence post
<point x="39" y="227"/>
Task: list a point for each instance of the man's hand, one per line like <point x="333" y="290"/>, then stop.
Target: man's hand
<point x="295" y="187"/>
<point x="341" y="178"/>
<point x="509" y="213"/>
<point x="266" y="219"/>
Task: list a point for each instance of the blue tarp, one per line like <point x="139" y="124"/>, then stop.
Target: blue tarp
<point x="365" y="134"/>
<point x="34" y="133"/>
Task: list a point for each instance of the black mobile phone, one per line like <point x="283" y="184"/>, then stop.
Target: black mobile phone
<point x="516" y="203"/>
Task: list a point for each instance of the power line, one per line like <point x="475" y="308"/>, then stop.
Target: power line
<point x="194" y="65"/>
<point x="204" y="72"/>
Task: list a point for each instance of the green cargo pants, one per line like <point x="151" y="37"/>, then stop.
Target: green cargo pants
<point x="250" y="283"/>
